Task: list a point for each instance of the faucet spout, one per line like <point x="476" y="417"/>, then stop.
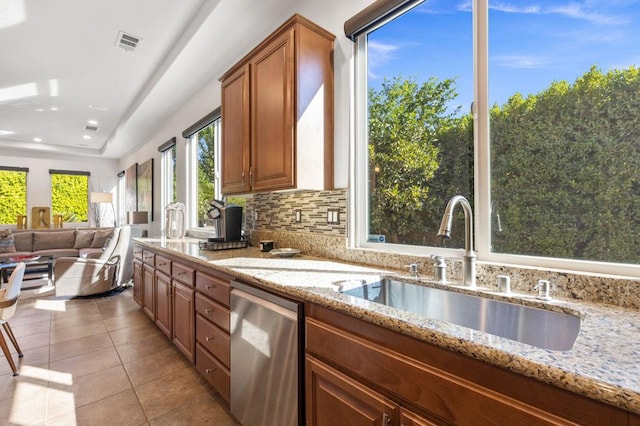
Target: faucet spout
<point x="469" y="257"/>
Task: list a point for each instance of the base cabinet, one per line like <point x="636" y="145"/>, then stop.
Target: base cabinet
<point x="334" y="398"/>
<point x="428" y="384"/>
<point x="183" y="317"/>
<point x="164" y="308"/>
<point x="148" y="291"/>
<point x="137" y="282"/>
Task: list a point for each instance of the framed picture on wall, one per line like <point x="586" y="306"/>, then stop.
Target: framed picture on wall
<point x="145" y="187"/>
<point x="131" y="188"/>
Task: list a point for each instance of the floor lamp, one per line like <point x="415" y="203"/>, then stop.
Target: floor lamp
<point x="103" y="198"/>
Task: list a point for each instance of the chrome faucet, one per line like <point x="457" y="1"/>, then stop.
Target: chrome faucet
<point x="469" y="257"/>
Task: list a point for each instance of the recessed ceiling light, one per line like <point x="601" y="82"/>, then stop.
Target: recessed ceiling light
<point x="94" y="122"/>
<point x="37" y="139"/>
<point x="40" y="109"/>
<point x="54" y="108"/>
<point x="98" y="108"/>
<point x="6" y="132"/>
<point x="87" y="137"/>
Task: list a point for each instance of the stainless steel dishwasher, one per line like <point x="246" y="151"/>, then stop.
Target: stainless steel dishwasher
<point x="265" y="358"/>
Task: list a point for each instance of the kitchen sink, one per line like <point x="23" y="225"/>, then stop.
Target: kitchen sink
<point x="538" y="327"/>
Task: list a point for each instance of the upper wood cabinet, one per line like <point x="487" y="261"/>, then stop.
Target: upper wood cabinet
<point x="277" y="113"/>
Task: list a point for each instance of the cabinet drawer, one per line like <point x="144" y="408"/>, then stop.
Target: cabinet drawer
<point x="163" y="264"/>
<point x="217" y="314"/>
<point x="137" y="252"/>
<point x="216" y="373"/>
<point x="216" y="341"/>
<point x="148" y="257"/>
<point x="213" y="287"/>
<point x="183" y="273"/>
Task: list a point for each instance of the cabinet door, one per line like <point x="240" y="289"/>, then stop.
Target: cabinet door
<point x="137" y="282"/>
<point x="272" y="114"/>
<point x="407" y="418"/>
<point x="163" y="303"/>
<point x="235" y="132"/>
<point x="335" y="399"/>
<point x="183" y="319"/>
<point x="148" y="287"/>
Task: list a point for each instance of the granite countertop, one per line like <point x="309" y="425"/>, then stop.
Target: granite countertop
<point x="603" y="363"/>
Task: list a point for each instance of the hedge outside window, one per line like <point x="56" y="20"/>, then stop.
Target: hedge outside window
<point x="13" y="194"/>
<point x="70" y="195"/>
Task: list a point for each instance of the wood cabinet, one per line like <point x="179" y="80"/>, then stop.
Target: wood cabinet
<point x="431" y="385"/>
<point x="183" y="319"/>
<point x="137" y="281"/>
<point x="277" y="113"/>
<point x="148" y="291"/>
<point x="164" y="309"/>
<point x="213" y="343"/>
<point x="334" y="398"/>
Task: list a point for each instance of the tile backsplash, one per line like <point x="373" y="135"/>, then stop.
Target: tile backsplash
<point x="276" y="220"/>
<point x="276" y="211"/>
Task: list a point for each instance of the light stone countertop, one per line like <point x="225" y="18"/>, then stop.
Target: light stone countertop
<point x="603" y="363"/>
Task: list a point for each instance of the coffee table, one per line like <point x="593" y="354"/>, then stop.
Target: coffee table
<point x="33" y="264"/>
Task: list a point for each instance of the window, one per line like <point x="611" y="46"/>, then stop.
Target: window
<point x="167" y="174"/>
<point x="70" y="195"/>
<point x="548" y="156"/>
<point x="13" y="194"/>
<point x="203" y="168"/>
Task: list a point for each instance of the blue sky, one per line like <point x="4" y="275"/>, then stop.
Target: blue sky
<point x="531" y="43"/>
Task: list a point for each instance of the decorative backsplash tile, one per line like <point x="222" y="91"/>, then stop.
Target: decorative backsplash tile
<point x="276" y="220"/>
<point x="276" y="211"/>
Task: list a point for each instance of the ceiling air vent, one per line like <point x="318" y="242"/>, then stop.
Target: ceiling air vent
<point x="91" y="128"/>
<point x="127" y="42"/>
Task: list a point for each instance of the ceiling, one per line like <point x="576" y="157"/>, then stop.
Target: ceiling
<point x="62" y="70"/>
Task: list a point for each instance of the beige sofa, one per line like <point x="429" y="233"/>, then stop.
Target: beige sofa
<point x="86" y="261"/>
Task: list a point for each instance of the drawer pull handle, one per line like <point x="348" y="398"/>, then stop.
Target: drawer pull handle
<point x="208" y="311"/>
<point x="209" y="370"/>
<point x="209" y="287"/>
<point x="207" y="338"/>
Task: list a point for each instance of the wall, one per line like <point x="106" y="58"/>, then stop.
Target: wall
<point x="103" y="173"/>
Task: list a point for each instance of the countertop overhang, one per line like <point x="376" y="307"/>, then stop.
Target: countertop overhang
<point x="603" y="363"/>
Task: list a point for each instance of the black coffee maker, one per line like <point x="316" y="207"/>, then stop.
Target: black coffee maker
<point x="227" y="219"/>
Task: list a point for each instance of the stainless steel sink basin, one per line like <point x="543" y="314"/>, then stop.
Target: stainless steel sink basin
<point x="538" y="327"/>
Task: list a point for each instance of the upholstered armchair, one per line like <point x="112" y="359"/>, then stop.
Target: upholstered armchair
<point x="85" y="276"/>
<point x="77" y="276"/>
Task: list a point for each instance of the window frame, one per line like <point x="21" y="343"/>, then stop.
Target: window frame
<point x="358" y="176"/>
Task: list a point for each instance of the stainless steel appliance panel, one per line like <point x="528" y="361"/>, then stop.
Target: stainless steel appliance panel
<point x="265" y="358"/>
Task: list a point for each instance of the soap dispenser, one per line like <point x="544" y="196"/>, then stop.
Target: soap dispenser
<point x="439" y="269"/>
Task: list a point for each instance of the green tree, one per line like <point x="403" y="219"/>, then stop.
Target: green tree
<point x="406" y="120"/>
<point x="13" y="195"/>
<point x="206" y="170"/>
<point x="565" y="167"/>
<point x="70" y="196"/>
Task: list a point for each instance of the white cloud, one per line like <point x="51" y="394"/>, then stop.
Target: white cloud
<point x="509" y="8"/>
<point x="520" y="61"/>
<point x="379" y="54"/>
<point x="586" y="11"/>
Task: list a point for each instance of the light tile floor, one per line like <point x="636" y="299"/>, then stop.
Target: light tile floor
<point x="100" y="361"/>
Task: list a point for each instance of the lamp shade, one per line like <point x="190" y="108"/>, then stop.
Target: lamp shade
<point x="101" y="197"/>
<point x="136" y="218"/>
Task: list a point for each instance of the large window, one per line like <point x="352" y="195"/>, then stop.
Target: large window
<point x="13" y="194"/>
<point x="70" y="195"/>
<point x="204" y="147"/>
<point x="548" y="155"/>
